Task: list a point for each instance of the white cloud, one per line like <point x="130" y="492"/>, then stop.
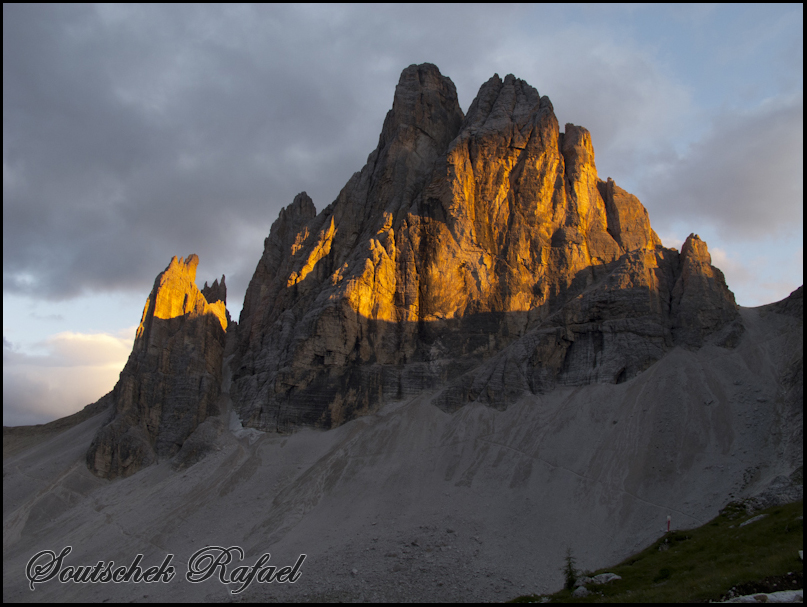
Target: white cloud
<point x="69" y="371"/>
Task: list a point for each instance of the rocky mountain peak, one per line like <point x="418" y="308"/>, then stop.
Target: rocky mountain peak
<point x="481" y="253"/>
<point x="176" y="295"/>
<point x="501" y="104"/>
<point x="302" y="207"/>
<point x="215" y="292"/>
<point x="577" y="150"/>
<point x="481" y="261"/>
<point x="628" y="221"/>
<point x="695" y="250"/>
<point x="424" y="100"/>
<point x="172" y="380"/>
<point x="479" y="256"/>
<point x="701" y="300"/>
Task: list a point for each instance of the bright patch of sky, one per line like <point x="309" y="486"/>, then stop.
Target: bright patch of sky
<point x="28" y="322"/>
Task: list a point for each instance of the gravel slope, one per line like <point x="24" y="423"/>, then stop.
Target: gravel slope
<point x="415" y="504"/>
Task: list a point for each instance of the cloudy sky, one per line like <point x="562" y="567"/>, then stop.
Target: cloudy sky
<point x="135" y="133"/>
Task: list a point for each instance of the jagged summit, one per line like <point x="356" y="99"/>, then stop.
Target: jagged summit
<point x="175" y="294"/>
<point x="500" y="105"/>
<point x="701" y="301"/>
<point x="478" y="261"/>
<point x="464" y="242"/>
<point x="216" y="292"/>
<point x="424" y="100"/>
<point x="172" y="379"/>
<point x="478" y="256"/>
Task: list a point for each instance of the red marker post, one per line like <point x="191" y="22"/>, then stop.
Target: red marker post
<point x="668" y="523"/>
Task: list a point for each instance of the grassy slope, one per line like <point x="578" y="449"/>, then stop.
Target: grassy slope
<point x="705" y="563"/>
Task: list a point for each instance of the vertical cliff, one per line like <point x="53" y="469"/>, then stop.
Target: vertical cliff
<point x="172" y="379"/>
<point x="702" y="303"/>
<point x="482" y="250"/>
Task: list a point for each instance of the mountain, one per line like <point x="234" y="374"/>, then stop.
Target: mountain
<point x="480" y="251"/>
<point x="479" y="355"/>
<point x="172" y="380"/>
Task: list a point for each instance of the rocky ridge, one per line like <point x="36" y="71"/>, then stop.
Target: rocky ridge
<point x="172" y="379"/>
<point x="414" y="286"/>
<point x="411" y="492"/>
<point x="478" y="251"/>
<point x="478" y="256"/>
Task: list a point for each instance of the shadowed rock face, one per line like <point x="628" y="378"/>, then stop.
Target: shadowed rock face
<point x="478" y="251"/>
<point x="172" y="379"/>
<point x="702" y="304"/>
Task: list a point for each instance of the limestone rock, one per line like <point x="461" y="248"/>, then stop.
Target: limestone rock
<point x="781" y="490"/>
<point x="199" y="443"/>
<point x="792" y="305"/>
<point x="217" y="292"/>
<point x="702" y="303"/>
<point x="480" y="252"/>
<point x="172" y="379"/>
<point x="628" y="222"/>
<point x="285" y="239"/>
<point x="604" y="578"/>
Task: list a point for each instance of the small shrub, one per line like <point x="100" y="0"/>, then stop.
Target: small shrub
<point x="569" y="573"/>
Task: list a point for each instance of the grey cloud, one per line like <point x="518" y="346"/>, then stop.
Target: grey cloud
<point x="135" y="133"/>
<point x="132" y="134"/>
<point x="744" y="177"/>
<point x="66" y="372"/>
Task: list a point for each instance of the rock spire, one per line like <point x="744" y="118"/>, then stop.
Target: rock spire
<point x="172" y="379"/>
<point x="480" y="255"/>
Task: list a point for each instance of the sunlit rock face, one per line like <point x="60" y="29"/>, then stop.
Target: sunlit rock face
<point x="172" y="379"/>
<point x="480" y="255"/>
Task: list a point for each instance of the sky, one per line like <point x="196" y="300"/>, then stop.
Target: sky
<point x="135" y="133"/>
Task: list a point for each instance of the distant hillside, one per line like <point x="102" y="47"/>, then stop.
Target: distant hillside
<point x="17" y="438"/>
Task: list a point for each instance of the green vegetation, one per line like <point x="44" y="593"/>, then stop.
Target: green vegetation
<point x="569" y="572"/>
<point x="705" y="563"/>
